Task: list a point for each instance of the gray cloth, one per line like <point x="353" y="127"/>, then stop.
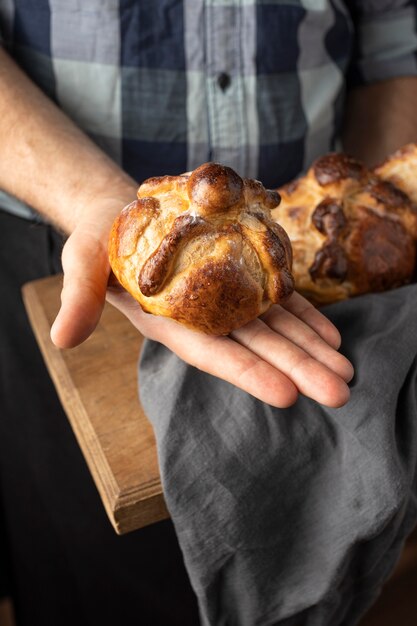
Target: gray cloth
<point x="293" y="516"/>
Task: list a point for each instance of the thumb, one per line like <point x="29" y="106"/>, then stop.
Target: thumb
<point x="86" y="272"/>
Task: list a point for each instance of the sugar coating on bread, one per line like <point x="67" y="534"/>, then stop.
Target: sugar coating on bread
<point x="202" y="248"/>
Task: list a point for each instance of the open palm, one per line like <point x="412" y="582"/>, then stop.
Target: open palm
<point x="290" y="349"/>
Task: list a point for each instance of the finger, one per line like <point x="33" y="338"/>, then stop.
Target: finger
<point x="86" y="270"/>
<point x="302" y="335"/>
<point x="231" y="361"/>
<point x="218" y="356"/>
<point x="304" y="310"/>
<point x="311" y="377"/>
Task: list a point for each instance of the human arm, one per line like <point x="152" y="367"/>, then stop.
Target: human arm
<point x="380" y="112"/>
<point x="50" y="164"/>
<point x="380" y="118"/>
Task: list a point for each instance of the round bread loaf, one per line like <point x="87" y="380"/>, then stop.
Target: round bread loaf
<point x="351" y="231"/>
<point x="201" y="248"/>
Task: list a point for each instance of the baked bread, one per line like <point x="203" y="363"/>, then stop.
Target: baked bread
<point x="351" y="231"/>
<point x="401" y="170"/>
<point x="202" y="249"/>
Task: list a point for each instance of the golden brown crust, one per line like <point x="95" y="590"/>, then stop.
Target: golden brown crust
<point x="400" y="170"/>
<point x="274" y="251"/>
<point x="332" y="168"/>
<point x="133" y="221"/>
<point x="155" y="271"/>
<point x="352" y="230"/>
<point x="209" y="298"/>
<point x="380" y="251"/>
<point x="214" y="188"/>
<point x="202" y="249"/>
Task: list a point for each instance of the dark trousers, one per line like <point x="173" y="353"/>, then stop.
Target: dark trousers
<point x="60" y="559"/>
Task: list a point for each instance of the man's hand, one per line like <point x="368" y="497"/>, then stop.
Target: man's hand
<point x="290" y="349"/>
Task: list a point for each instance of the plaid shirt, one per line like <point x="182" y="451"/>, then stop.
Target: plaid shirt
<point x="164" y="85"/>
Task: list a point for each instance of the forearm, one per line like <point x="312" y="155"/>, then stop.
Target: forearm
<point x="48" y="162"/>
<point x="380" y="118"/>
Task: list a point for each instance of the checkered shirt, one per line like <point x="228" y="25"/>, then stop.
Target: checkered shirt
<point x="165" y="85"/>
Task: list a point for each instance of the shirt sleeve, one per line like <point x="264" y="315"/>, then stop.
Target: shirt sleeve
<point x="385" y="40"/>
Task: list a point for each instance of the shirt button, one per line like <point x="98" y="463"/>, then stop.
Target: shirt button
<point x="223" y="81"/>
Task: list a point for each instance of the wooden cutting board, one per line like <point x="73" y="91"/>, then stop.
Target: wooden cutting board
<point x="97" y="385"/>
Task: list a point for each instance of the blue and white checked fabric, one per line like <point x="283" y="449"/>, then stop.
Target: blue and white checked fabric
<point x="164" y="85"/>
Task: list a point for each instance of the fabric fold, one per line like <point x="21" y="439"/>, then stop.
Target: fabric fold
<point x="298" y="515"/>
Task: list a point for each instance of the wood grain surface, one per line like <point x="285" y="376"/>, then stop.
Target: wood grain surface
<point x="97" y="385"/>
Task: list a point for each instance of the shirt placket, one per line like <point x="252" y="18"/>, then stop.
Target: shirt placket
<point x="224" y="77"/>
